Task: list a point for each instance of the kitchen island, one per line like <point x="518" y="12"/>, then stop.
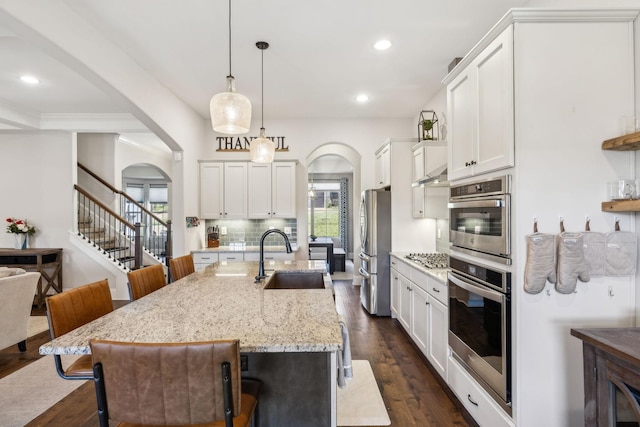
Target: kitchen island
<point x="290" y="336"/>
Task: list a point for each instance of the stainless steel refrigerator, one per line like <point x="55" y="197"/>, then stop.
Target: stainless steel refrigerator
<point x="375" y="244"/>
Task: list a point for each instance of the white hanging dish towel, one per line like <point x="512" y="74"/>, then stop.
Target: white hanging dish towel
<point x="621" y="252"/>
<point x="345" y="369"/>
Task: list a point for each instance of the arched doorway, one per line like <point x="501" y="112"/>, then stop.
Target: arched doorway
<point x="334" y="169"/>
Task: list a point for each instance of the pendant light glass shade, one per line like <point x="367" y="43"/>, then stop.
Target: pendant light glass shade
<point x="230" y="111"/>
<point x="262" y="149"/>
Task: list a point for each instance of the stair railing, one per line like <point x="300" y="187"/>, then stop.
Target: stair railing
<point x="156" y="235"/>
<point x="107" y="231"/>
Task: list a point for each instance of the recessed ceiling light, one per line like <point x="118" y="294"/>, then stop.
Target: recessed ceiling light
<point x="30" y="80"/>
<point x="382" y="44"/>
<point x="362" y="98"/>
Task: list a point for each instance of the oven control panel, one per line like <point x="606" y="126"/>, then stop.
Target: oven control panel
<point x="499" y="185"/>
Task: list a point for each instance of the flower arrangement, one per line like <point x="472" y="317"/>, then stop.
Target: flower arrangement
<point x="20" y="226"/>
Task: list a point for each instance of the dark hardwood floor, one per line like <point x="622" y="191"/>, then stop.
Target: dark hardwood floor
<point x="414" y="394"/>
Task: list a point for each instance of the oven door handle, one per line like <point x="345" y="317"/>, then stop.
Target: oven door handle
<point x="482" y="291"/>
<point x="491" y="203"/>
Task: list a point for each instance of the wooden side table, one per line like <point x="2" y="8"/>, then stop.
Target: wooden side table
<point x="46" y="261"/>
<point x="611" y="375"/>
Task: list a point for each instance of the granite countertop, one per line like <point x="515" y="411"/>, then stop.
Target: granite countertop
<point x="439" y="274"/>
<point x="244" y="248"/>
<point x="222" y="302"/>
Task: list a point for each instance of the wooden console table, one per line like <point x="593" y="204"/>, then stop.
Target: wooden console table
<point x="48" y="262"/>
<point x="611" y="375"/>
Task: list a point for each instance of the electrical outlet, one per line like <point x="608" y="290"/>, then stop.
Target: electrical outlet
<point x="244" y="362"/>
<point x="287" y="230"/>
<point x="223" y="231"/>
<point x="439" y="233"/>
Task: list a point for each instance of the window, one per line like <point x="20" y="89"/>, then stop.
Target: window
<point x="324" y="208"/>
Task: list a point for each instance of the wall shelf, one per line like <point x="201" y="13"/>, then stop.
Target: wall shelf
<point x="621" y="206"/>
<point x="627" y="142"/>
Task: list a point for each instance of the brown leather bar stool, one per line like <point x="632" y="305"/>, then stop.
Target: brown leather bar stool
<point x="71" y="309"/>
<point x="145" y="280"/>
<point x="181" y="267"/>
<point x="177" y="384"/>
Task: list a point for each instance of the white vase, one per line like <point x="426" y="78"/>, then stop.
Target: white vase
<point x="21" y="240"/>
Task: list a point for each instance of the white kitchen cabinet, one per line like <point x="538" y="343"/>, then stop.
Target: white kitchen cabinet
<point x="235" y="190"/>
<point x="404" y="308"/>
<point x="203" y="259"/>
<point x="383" y="166"/>
<point x="272" y="190"/>
<point x="430" y="202"/>
<point x="438" y="332"/>
<point x="418" y="171"/>
<point x="269" y="256"/>
<point x="231" y="256"/>
<point x="480" y="104"/>
<point x="475" y="400"/>
<point x="211" y="190"/>
<point x="223" y="190"/>
<point x="417" y="202"/>
<point x="420" y="318"/>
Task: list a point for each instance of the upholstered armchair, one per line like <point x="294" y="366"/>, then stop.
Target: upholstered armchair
<point x="16" y="293"/>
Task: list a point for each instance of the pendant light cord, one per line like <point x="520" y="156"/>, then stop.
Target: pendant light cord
<point x="230" y="75"/>
<point x="262" y="91"/>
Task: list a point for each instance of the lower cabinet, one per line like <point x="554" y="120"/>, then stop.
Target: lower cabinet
<point x="475" y="400"/>
<point x="203" y="259"/>
<point x="417" y="300"/>
<point x="269" y="256"/>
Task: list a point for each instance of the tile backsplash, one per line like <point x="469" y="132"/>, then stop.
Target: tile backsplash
<point x="249" y="231"/>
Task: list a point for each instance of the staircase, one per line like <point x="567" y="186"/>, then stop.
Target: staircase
<point x="129" y="246"/>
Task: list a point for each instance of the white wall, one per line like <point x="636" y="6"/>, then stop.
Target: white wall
<point x="39" y="186"/>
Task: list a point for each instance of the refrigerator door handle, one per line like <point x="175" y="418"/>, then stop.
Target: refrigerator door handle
<point x="364" y="257"/>
<point x="364" y="273"/>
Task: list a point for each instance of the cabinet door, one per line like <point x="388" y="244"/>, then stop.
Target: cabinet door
<point x="494" y="144"/>
<point x="418" y="164"/>
<point x="283" y="190"/>
<point x="461" y="94"/>
<point x="235" y="190"/>
<point x="420" y="319"/>
<point x="395" y="291"/>
<point x="382" y="166"/>
<point x="404" y="315"/>
<point x="438" y="325"/>
<point x="259" y="191"/>
<point x="211" y="190"/>
<point x="231" y="256"/>
<point x="417" y="201"/>
<point x="379" y="171"/>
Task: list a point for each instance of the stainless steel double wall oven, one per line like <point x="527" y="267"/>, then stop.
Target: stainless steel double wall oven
<point x="480" y="291"/>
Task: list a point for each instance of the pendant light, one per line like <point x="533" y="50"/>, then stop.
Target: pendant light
<point x="262" y="148"/>
<point x="230" y="111"/>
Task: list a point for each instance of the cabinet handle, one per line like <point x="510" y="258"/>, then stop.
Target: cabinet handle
<point x="436" y="290"/>
<point x="427" y="303"/>
<point x="471" y="400"/>
<point x="393" y="263"/>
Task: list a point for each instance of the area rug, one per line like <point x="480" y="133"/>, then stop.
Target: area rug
<point x="37" y="324"/>
<point x="32" y="390"/>
<point x="360" y="402"/>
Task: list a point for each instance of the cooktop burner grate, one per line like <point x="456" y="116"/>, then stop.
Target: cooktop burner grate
<point x="430" y="260"/>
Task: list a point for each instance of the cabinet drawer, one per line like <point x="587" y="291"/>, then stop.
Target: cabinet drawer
<point x="400" y="266"/>
<point x="231" y="256"/>
<point x="204" y="257"/>
<point x="438" y="290"/>
<point x="475" y="400"/>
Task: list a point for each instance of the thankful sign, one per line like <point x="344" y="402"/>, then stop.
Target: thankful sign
<point x="242" y="143"/>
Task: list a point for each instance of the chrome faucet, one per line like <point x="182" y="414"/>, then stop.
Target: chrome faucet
<point x="261" y="274"/>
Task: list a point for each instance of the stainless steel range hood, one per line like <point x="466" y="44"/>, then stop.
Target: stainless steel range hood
<point x="434" y="178"/>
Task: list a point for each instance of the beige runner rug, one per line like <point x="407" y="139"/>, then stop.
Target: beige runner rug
<point x="37" y="324"/>
<point x="360" y="402"/>
<point x="32" y="390"/>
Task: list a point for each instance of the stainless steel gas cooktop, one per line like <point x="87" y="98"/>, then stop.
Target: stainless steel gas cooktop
<point x="430" y="260"/>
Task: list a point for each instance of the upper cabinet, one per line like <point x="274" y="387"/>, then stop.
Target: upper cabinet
<point x="223" y="190"/>
<point x="211" y="190"/>
<point x="272" y="190"/>
<point x="481" y="112"/>
<point x="383" y="167"/>
<point x="241" y="190"/>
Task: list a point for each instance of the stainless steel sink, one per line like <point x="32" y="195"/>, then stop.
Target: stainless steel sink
<point x="295" y="280"/>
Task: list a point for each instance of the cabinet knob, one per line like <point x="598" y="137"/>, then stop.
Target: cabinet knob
<point x="427" y="303"/>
